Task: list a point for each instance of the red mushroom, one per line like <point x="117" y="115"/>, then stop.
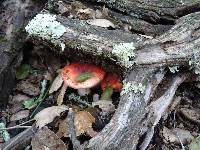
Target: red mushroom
<point x="80" y="76"/>
<point x="109" y="84"/>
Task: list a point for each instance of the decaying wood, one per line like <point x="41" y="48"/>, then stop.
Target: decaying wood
<point x="133" y="118"/>
<point x="13" y="17"/>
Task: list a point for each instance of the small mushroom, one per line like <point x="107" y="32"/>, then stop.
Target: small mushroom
<point x="109" y="84"/>
<point x="80" y="76"/>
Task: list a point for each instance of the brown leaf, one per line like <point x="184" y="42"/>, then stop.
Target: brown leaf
<point x="176" y="135"/>
<point x="63" y="130"/>
<point x="47" y="139"/>
<point x="101" y="23"/>
<point x="57" y="83"/>
<point x="28" y="88"/>
<point x="20" y="115"/>
<point x="19" y="98"/>
<point x="83" y="123"/>
<point x="105" y="105"/>
<point x="191" y="114"/>
<point x="47" y="115"/>
<point x="61" y="95"/>
<point x="85" y="13"/>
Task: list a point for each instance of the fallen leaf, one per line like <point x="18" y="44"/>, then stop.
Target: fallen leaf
<point x="28" y="88"/>
<point x="85" y="13"/>
<point x="101" y="23"/>
<point x="47" y="115"/>
<point x="29" y="104"/>
<point x="46" y="139"/>
<point x="191" y="114"/>
<point x="19" y="98"/>
<point x="83" y="121"/>
<point x="176" y="135"/>
<point x="105" y="105"/>
<point x="20" y="115"/>
<point x="16" y="107"/>
<point x="195" y="144"/>
<point x="63" y="130"/>
<point x="23" y="71"/>
<point x="57" y="83"/>
<point x="61" y="95"/>
<point x="4" y="133"/>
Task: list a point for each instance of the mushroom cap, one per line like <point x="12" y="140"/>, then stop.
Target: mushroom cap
<point x="111" y="80"/>
<point x="71" y="72"/>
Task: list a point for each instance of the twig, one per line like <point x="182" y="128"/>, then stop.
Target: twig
<point x="182" y="146"/>
<point x="39" y="104"/>
<point x="159" y="106"/>
<point x="20" y="138"/>
<point x="15" y="127"/>
<point x="18" y="126"/>
<point x="72" y="132"/>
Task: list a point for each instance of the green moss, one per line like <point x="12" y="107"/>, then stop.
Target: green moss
<point x="125" y="53"/>
<point x="131" y="86"/>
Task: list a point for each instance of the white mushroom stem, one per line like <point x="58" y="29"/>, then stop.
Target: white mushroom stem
<point x="83" y="92"/>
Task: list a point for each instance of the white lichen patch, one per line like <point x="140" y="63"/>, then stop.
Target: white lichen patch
<point x="131" y="86"/>
<point x="46" y="27"/>
<point x="125" y="53"/>
<point x="194" y="63"/>
<point x="173" y="69"/>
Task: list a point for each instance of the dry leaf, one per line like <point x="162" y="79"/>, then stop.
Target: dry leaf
<point x="85" y="13"/>
<point x="83" y="123"/>
<point x="19" y="98"/>
<point x="105" y="105"/>
<point x="20" y="115"/>
<point x="28" y="88"/>
<point x="46" y="139"/>
<point x="101" y="23"/>
<point x="47" y="115"/>
<point x="57" y="83"/>
<point x="63" y="130"/>
<point x="61" y="95"/>
<point x="191" y="114"/>
<point x="176" y="135"/>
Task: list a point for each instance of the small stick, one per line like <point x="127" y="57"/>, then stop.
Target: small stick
<point x="18" y="126"/>
<point x="15" y="127"/>
<point x="72" y="132"/>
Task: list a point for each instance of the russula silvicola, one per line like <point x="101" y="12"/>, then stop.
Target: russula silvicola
<point x="109" y="84"/>
<point x="81" y="76"/>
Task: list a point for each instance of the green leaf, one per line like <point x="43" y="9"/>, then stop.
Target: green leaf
<point x="4" y="133"/>
<point x="107" y="93"/>
<point x="84" y="76"/>
<point x="195" y="144"/>
<point x="23" y="71"/>
<point x="29" y="104"/>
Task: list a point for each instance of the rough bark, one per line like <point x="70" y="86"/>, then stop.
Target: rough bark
<point x="13" y="17"/>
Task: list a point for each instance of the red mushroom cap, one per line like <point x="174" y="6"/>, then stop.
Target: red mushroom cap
<point x="72" y="72"/>
<point x="112" y="81"/>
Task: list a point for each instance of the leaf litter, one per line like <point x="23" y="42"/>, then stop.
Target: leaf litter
<point x="43" y="100"/>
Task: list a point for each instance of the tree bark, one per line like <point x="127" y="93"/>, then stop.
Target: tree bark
<point x="13" y="16"/>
